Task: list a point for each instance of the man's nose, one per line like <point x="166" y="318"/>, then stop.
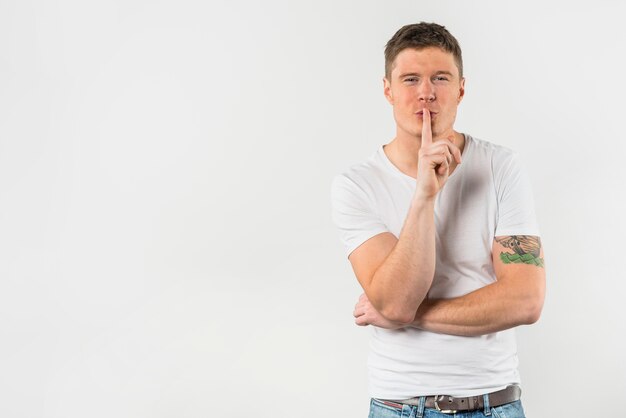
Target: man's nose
<point x="426" y="91"/>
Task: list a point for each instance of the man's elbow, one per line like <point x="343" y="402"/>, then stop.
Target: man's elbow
<point x="399" y="309"/>
<point x="532" y="304"/>
<point x="532" y="313"/>
<point x="399" y="314"/>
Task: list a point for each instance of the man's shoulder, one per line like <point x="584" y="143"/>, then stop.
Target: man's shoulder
<point x="505" y="163"/>
<point x="490" y="147"/>
<point x="494" y="155"/>
<point x="361" y="172"/>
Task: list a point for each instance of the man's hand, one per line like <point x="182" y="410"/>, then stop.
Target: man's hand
<point x="434" y="160"/>
<point x="366" y="314"/>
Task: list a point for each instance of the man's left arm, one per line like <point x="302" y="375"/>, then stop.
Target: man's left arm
<point x="515" y="298"/>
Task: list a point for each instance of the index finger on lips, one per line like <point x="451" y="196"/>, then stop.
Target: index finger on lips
<point x="427" y="135"/>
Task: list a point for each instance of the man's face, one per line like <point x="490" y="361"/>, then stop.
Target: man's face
<point x="425" y="78"/>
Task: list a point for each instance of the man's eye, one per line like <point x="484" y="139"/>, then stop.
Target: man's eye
<point x="441" y="78"/>
<point x="411" y="79"/>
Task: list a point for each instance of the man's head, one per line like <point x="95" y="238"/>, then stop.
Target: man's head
<point x="424" y="70"/>
<point x="420" y="36"/>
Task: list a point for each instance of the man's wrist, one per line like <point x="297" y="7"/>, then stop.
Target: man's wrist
<point x="421" y="199"/>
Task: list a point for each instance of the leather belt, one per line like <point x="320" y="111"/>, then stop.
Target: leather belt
<point x="450" y="404"/>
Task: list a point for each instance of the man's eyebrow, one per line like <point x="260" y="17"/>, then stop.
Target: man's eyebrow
<point x="418" y="75"/>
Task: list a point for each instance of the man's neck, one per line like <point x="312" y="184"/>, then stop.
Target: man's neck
<point x="403" y="152"/>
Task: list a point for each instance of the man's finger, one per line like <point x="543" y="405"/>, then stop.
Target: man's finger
<point x="443" y="168"/>
<point x="449" y="146"/>
<point x="360" y="320"/>
<point x="427" y="135"/>
<point x="438" y="160"/>
<point x="455" y="150"/>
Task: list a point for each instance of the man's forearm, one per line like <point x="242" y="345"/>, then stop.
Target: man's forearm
<point x="402" y="281"/>
<point x="493" y="308"/>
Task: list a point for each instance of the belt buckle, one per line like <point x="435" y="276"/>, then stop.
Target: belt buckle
<point x="444" y="411"/>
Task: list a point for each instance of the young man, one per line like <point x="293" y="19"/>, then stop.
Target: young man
<point x="440" y="230"/>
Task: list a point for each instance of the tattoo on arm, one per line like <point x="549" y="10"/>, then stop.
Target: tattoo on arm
<point x="526" y="249"/>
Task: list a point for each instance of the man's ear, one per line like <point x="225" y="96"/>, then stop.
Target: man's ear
<point x="461" y="90"/>
<point x="387" y="90"/>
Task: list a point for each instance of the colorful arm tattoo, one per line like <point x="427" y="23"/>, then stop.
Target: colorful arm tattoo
<point x="526" y="249"/>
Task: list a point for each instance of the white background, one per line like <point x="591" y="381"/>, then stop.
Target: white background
<point x="166" y="247"/>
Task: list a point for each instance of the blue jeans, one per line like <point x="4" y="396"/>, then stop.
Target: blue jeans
<point x="381" y="410"/>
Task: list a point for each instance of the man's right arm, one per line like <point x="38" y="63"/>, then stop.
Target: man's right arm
<point x="396" y="273"/>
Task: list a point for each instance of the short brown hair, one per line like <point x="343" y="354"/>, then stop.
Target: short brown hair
<point x="419" y="36"/>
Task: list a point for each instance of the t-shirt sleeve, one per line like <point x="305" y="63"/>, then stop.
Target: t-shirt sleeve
<point x="516" y="207"/>
<point x="353" y="213"/>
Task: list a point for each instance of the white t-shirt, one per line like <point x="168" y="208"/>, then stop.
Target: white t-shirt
<point x="487" y="195"/>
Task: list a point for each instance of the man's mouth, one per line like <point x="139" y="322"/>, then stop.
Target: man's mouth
<point x="421" y="114"/>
